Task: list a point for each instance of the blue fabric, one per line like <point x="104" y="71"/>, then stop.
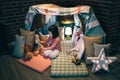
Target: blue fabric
<point x="28" y="23"/>
<point x="95" y="30"/>
<point x="44" y="29"/>
<point x="92" y="25"/>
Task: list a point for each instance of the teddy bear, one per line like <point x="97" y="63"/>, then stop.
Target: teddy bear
<point x="37" y="46"/>
<point x="27" y="53"/>
<point x="75" y="60"/>
<point x="37" y="50"/>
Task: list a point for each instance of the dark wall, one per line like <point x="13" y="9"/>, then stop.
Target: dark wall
<point x="12" y="14"/>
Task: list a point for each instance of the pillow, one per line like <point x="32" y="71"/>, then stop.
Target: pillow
<point x="89" y="41"/>
<point x="38" y="63"/>
<point x="98" y="47"/>
<point x="29" y="37"/>
<point x="26" y="32"/>
<point x="89" y="48"/>
<point x="19" y="46"/>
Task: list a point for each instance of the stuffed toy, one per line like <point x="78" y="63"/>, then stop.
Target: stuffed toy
<point x="37" y="46"/>
<point x="37" y="50"/>
<point x="27" y="53"/>
<point x="75" y="60"/>
<point x="43" y="38"/>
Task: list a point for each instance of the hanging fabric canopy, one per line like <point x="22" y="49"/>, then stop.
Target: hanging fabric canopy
<point x="52" y="9"/>
<point x="90" y="21"/>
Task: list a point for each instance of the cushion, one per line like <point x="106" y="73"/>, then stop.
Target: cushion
<point x="29" y="36"/>
<point x="62" y="66"/>
<point x="98" y="47"/>
<point x="89" y="48"/>
<point x="37" y="63"/>
<point x="89" y="41"/>
<point x="66" y="45"/>
<point x="26" y="32"/>
<point x="19" y="46"/>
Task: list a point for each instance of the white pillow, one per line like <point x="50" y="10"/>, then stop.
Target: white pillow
<point x="19" y="46"/>
<point x="98" y="47"/>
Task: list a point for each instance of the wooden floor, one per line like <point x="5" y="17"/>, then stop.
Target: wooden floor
<point x="10" y="69"/>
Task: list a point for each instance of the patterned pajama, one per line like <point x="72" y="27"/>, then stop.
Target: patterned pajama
<point x="52" y="53"/>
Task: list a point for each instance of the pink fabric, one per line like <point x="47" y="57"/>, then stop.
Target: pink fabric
<point x="53" y="44"/>
<point x="37" y="63"/>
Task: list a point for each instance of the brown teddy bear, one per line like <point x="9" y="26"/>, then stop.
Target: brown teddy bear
<point x="75" y="60"/>
<point x="37" y="51"/>
<point x="27" y="53"/>
<point x="37" y="45"/>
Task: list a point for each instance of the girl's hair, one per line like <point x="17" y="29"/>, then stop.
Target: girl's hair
<point x="54" y="30"/>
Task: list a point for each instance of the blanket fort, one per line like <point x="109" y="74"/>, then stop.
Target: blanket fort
<point x="90" y="21"/>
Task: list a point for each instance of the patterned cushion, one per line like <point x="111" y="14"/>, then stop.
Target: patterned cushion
<point x="62" y="66"/>
<point x="19" y="46"/>
<point x="98" y="47"/>
<point x="89" y="48"/>
<point x="66" y="45"/>
<point x="89" y="41"/>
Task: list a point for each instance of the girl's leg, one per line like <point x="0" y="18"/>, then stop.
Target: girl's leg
<point x="80" y="54"/>
<point x="54" y="54"/>
<point x="47" y="53"/>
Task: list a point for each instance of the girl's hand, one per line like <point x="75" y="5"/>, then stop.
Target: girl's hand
<point x="42" y="42"/>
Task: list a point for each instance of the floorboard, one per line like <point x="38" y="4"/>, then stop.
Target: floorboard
<point x="10" y="69"/>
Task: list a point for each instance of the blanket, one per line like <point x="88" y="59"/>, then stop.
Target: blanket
<point x="62" y="66"/>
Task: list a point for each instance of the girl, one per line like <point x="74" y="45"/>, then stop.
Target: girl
<point x="54" y="47"/>
<point x="78" y="49"/>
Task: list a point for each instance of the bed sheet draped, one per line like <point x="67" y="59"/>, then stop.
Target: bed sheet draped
<point x="91" y="23"/>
